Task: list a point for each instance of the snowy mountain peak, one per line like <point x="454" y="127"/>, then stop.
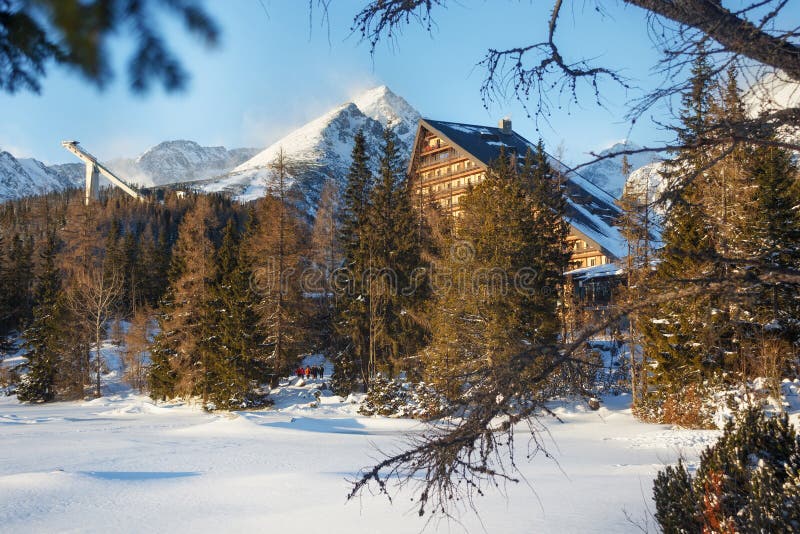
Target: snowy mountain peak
<point x="384" y="106"/>
<point x="320" y="149"/>
<point x="618" y="146"/>
<point x="308" y="142"/>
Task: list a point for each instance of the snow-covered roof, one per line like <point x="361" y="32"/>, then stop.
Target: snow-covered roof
<point x="597" y="271"/>
<point x="590" y="210"/>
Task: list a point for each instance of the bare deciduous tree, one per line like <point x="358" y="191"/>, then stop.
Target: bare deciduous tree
<point x="94" y="297"/>
<point x="138" y="339"/>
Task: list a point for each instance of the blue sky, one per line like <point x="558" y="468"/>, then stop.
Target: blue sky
<point x="273" y="72"/>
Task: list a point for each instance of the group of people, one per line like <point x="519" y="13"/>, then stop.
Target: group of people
<point x="313" y="371"/>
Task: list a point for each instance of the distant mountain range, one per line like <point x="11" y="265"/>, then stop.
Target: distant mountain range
<point x="317" y="151"/>
<point x="180" y="161"/>
<point x="23" y="177"/>
<point x="320" y="150"/>
<point x="166" y="163"/>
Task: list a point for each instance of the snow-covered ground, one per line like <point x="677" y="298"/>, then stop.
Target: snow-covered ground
<point x="124" y="464"/>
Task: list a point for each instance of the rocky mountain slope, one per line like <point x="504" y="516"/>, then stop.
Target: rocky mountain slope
<point x="24" y="176"/>
<point x="187" y="161"/>
<point x="320" y="150"/>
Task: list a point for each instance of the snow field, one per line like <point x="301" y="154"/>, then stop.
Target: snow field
<point x="122" y="463"/>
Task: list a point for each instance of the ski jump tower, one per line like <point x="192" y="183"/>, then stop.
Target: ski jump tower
<point x="93" y="170"/>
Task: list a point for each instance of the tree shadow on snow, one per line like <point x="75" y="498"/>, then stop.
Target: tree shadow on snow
<point x="139" y="475"/>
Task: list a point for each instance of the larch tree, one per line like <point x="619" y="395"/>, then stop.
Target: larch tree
<point x="135" y="353"/>
<point x="326" y="254"/>
<point x="276" y="247"/>
<point x="93" y="298"/>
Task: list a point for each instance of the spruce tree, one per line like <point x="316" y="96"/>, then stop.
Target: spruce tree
<point x="772" y="237"/>
<point x="394" y="292"/>
<point x="180" y="354"/>
<point x="682" y="337"/>
<point x="19" y="279"/>
<point x="549" y="206"/>
<point x="6" y="312"/>
<point x="44" y="336"/>
<point x="352" y="321"/>
<point x="498" y="291"/>
<point x="235" y="363"/>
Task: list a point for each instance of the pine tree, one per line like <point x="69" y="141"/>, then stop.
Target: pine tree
<point x="746" y="482"/>
<point x="43" y="338"/>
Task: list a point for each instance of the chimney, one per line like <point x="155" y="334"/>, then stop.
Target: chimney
<point x="505" y="125"/>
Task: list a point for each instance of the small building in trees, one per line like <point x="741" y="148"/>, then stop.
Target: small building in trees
<point x="448" y="157"/>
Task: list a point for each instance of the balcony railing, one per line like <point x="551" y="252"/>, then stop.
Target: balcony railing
<point x="438" y="159"/>
<point x="431" y="148"/>
<point x="449" y="172"/>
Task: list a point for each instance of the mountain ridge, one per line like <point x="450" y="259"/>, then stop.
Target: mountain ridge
<point x="320" y="149"/>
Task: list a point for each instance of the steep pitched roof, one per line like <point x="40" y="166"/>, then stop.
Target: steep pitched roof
<point x="590" y="210"/>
